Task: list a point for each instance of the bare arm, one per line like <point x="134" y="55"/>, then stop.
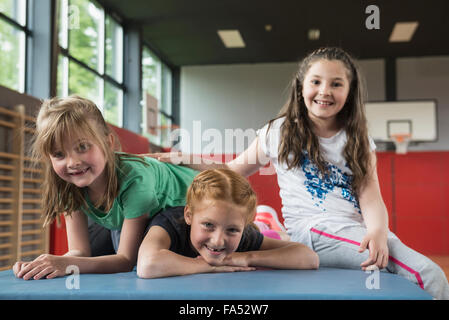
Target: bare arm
<point x="51" y="266"/>
<point x="247" y="163"/>
<point x="375" y="216"/>
<point x="77" y="235"/>
<point x="371" y="203"/>
<point x="126" y="256"/>
<point x="276" y="254"/>
<point x="156" y="260"/>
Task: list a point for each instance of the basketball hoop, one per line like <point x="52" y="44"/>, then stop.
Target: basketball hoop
<point x="401" y="141"/>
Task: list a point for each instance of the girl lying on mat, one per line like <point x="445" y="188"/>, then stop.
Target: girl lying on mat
<point x="214" y="233"/>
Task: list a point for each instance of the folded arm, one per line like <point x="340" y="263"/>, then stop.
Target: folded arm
<point x="276" y="254"/>
<point x="156" y="260"/>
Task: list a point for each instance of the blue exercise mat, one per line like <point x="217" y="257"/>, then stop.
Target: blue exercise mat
<point x="322" y="284"/>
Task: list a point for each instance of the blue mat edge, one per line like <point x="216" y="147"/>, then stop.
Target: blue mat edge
<point x="132" y="282"/>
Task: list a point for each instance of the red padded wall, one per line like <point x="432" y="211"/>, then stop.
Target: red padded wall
<point x="267" y="189"/>
<point x="58" y="238"/>
<point x="421" y="201"/>
<point x="132" y="142"/>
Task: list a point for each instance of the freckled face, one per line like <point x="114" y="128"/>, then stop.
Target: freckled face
<point x="216" y="229"/>
<point x="325" y="89"/>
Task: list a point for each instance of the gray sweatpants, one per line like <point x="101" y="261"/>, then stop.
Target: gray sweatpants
<point x="340" y="250"/>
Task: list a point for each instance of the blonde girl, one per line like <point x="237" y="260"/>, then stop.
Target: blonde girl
<point x="213" y="233"/>
<point x="84" y="178"/>
<point x="326" y="169"/>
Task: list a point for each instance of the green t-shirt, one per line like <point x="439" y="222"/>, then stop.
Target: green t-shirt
<point x="143" y="189"/>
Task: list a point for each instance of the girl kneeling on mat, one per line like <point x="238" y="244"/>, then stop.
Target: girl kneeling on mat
<point x="214" y="233"/>
<point x="84" y="178"/>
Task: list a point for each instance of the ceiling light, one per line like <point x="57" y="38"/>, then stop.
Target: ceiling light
<point x="268" y="27"/>
<point x="403" y="31"/>
<point x="314" y="34"/>
<point x="231" y="38"/>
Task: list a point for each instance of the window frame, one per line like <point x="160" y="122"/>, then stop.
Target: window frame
<point x="103" y="77"/>
<point x="23" y="86"/>
<point x="158" y="138"/>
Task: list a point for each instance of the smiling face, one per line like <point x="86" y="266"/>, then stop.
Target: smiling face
<point x="80" y="161"/>
<point x="325" y="90"/>
<point x="216" y="228"/>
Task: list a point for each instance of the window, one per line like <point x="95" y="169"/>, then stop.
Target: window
<point x="156" y="81"/>
<point x="13" y="35"/>
<point x="90" y="62"/>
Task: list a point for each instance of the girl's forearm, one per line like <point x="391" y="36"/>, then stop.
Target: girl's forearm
<point x="292" y="256"/>
<point x="76" y="253"/>
<point x="374" y="211"/>
<point x="188" y="160"/>
<point x="206" y="166"/>
<point x="376" y="217"/>
<point x="102" y="264"/>
<point x="166" y="263"/>
<point x="200" y="164"/>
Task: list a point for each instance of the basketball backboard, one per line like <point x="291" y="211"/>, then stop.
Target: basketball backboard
<point x="417" y="118"/>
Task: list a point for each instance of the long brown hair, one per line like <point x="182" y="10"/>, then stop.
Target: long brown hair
<point x="297" y="135"/>
<point x="73" y="116"/>
<point x="225" y="185"/>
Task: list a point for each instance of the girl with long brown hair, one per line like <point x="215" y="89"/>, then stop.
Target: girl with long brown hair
<point x="326" y="168"/>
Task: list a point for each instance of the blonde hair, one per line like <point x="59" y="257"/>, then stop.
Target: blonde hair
<point x="70" y="117"/>
<point x="224" y="185"/>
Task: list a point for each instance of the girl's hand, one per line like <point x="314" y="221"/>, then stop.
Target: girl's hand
<point x="376" y="242"/>
<point x="46" y="265"/>
<point x="227" y="265"/>
<point x="18" y="266"/>
<point x="238" y="259"/>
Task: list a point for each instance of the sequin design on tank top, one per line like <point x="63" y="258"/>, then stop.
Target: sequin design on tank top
<point x="319" y="187"/>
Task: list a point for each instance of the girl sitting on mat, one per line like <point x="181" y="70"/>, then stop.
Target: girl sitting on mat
<point x="213" y="233"/>
<point x="84" y="178"/>
<point x="326" y="169"/>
